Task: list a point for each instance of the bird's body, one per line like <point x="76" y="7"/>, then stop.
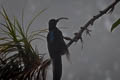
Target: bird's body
<point x="56" y="44"/>
<point x="56" y="48"/>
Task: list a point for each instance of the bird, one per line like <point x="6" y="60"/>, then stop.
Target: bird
<point x="56" y="47"/>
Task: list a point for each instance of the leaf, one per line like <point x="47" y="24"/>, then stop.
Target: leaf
<point x="33" y="19"/>
<point x="115" y="24"/>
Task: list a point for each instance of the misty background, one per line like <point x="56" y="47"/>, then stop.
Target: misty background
<point x="99" y="58"/>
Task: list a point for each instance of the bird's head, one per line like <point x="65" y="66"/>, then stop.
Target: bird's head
<point x="53" y="22"/>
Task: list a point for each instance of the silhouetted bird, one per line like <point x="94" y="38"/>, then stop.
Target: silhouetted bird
<point x="56" y="47"/>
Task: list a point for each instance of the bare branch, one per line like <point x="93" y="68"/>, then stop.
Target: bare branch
<point x="78" y="35"/>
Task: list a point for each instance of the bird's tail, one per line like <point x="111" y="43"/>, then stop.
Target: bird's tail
<point x="57" y="68"/>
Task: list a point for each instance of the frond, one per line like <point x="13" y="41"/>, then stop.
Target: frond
<point x="18" y="59"/>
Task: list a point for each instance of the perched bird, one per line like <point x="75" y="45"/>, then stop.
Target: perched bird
<point x="56" y="47"/>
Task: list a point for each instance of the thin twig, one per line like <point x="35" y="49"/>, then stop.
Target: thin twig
<point x="78" y="35"/>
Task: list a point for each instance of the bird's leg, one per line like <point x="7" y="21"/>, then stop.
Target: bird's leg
<point x="67" y="38"/>
<point x="57" y="68"/>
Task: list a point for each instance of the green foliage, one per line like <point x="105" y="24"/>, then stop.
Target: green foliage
<point x="31" y="21"/>
<point x="115" y="25"/>
<point x="18" y="59"/>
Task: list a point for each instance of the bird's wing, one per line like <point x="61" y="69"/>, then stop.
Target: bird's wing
<point x="62" y="45"/>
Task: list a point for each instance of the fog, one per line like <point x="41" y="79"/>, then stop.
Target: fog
<point x="99" y="57"/>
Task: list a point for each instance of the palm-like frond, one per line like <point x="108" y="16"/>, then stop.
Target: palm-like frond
<point x="18" y="59"/>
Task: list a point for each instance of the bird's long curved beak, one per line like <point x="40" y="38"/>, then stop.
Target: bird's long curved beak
<point x="61" y="19"/>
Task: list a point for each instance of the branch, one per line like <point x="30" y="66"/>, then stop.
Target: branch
<point x="78" y="35"/>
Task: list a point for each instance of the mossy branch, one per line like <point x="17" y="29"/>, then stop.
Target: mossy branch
<point x="78" y="35"/>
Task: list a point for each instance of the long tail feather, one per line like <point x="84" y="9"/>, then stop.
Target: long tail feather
<point x="57" y="68"/>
